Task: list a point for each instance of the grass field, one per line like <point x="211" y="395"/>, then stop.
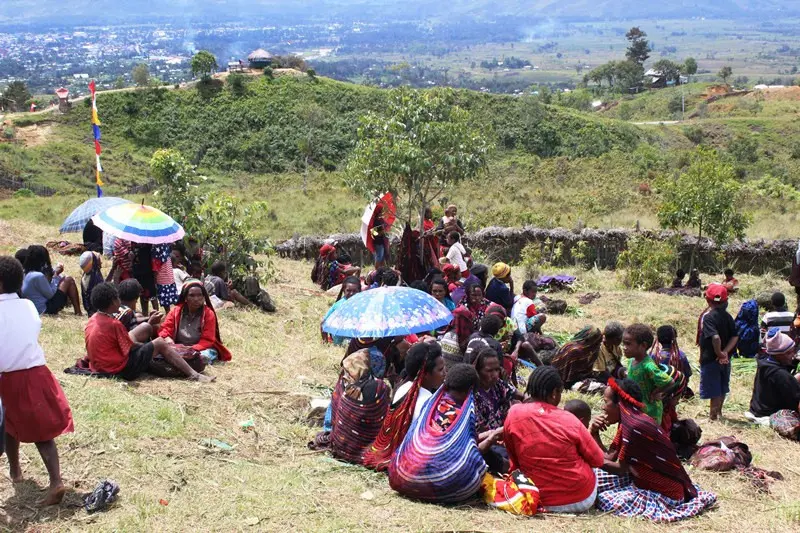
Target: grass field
<point x="147" y="435"/>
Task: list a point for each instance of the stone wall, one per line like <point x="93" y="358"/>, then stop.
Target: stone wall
<point x="603" y="246"/>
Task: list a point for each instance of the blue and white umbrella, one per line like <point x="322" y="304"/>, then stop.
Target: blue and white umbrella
<point x="81" y="214"/>
<point x="387" y="312"/>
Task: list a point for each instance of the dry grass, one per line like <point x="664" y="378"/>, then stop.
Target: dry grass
<point x="147" y="435"/>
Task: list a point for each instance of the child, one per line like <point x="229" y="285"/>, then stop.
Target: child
<point x="717" y="341"/>
<point x="729" y="282"/>
<point x="140" y="327"/>
<point x="456" y="253"/>
<point x="694" y="280"/>
<point x="36" y="409"/>
<point x="666" y="351"/>
<point x="112" y="350"/>
<point x="581" y="410"/>
<point x="636" y="341"/>
<point x="677" y="283"/>
<point x="609" y="362"/>
<point x="222" y="286"/>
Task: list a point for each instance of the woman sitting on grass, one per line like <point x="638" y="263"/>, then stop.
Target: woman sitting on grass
<point x="552" y="446"/>
<point x="45" y="286"/>
<point x="36" y="409"/>
<point x="643" y="475"/>
<point x="192" y="324"/>
<point x="475" y="302"/>
<point x="575" y="360"/>
<point x="112" y="351"/>
<point x="90" y="264"/>
<point x="358" y="406"/>
<point x="350" y="287"/>
<point x="440" y="458"/>
<point x="424" y="374"/>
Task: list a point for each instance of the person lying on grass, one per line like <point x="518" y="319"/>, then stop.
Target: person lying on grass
<point x="112" y="350"/>
<point x="36" y="409"/>
<point x="141" y="328"/>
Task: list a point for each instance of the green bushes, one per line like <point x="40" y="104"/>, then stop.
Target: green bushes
<point x="646" y="264"/>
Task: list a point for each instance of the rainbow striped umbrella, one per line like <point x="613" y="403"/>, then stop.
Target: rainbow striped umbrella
<point x="139" y="223"/>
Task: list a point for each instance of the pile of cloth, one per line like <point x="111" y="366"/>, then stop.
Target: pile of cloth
<point x="558" y="282"/>
<point x="726" y="454"/>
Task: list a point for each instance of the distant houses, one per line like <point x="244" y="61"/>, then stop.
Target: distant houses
<point x="657" y="80"/>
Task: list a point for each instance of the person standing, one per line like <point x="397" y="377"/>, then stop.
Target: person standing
<point x="36" y="409"/>
<point x="717" y="341"/>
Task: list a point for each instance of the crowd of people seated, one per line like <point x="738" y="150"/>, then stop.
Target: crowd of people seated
<point x="465" y="421"/>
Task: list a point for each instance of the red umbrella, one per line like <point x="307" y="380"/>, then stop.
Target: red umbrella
<point x="383" y="207"/>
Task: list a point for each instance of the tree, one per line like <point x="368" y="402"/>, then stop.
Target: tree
<point x="16" y="96"/>
<point x="313" y="116"/>
<point x="119" y="83"/>
<point x="141" y="75"/>
<point x="177" y="184"/>
<point x="705" y="197"/>
<point x="690" y="66"/>
<point x="237" y="83"/>
<point x="725" y="73"/>
<point x="629" y="74"/>
<point x="669" y="69"/>
<point x="639" y="47"/>
<point x="422" y="144"/>
<point x="204" y="63"/>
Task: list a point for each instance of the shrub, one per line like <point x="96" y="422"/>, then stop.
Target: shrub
<point x="23" y="193"/>
<point x="268" y="73"/>
<point x="9" y="133"/>
<point x="694" y="134"/>
<point x="744" y="149"/>
<point x="647" y="263"/>
<point x="530" y="259"/>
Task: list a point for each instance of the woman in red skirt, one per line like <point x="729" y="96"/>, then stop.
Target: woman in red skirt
<point x="35" y="406"/>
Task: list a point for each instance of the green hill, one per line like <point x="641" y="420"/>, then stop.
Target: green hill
<point x="552" y="166"/>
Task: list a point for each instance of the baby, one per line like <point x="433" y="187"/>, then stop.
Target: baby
<point x="581" y="410"/>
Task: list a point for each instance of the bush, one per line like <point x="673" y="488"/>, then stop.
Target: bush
<point x="530" y="259"/>
<point x="24" y="193"/>
<point x="647" y="263"/>
<point x="744" y="149"/>
<point x="9" y="133"/>
<point x="694" y="134"/>
<point x="269" y="73"/>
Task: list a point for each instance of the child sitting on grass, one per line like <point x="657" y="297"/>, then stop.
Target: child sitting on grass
<point x="36" y="409"/>
<point x="636" y="341"/>
<point x="609" y="362"/>
<point x="112" y="350"/>
<point x="581" y="410"/>
<point x="141" y="328"/>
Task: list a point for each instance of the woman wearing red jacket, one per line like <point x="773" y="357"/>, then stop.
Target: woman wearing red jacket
<point x="193" y="323"/>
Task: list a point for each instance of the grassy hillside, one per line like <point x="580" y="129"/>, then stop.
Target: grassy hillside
<point x="148" y="435"/>
<point x="553" y="166"/>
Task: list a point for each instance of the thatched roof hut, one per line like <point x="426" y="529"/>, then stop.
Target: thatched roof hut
<point x="260" y="58"/>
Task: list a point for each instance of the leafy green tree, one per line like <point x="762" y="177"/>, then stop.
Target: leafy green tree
<point x="705" y="197"/>
<point x="669" y="69"/>
<point x="203" y="64"/>
<point x="16" y="96"/>
<point x="119" y="83"/>
<point x="638" y="46"/>
<point x="177" y="193"/>
<point x="227" y="226"/>
<point x="725" y="73"/>
<point x="422" y="144"/>
<point x="313" y="116"/>
<point x="690" y="66"/>
<point x="237" y="83"/>
<point x="646" y="263"/>
<point x="744" y="149"/>
<point x="141" y="75"/>
<point x="629" y="74"/>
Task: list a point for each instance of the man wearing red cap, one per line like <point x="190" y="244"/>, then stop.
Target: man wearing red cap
<point x="717" y="341"/>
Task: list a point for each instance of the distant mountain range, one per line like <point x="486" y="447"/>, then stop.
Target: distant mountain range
<point x="90" y="12"/>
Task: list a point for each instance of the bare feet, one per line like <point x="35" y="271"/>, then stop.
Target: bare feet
<point x="202" y="378"/>
<point x="16" y="477"/>
<point x="54" y="495"/>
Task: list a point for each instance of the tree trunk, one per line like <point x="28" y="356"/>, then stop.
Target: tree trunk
<point x="694" y="248"/>
<point x="305" y="178"/>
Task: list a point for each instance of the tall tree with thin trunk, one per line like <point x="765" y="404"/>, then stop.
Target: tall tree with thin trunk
<point x="705" y="197"/>
<point x="422" y="144"/>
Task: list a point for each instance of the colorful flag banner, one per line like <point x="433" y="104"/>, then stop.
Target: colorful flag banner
<point x="96" y="134"/>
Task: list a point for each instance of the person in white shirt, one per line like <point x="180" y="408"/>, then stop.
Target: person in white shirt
<point x="519" y="313"/>
<point x="36" y="409"/>
<point x="424" y="372"/>
<point x="778" y="316"/>
<point x="457" y="252"/>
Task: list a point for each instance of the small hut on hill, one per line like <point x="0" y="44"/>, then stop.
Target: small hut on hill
<point x="260" y="58"/>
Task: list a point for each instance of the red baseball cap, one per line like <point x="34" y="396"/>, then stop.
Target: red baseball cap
<point x="716" y="293"/>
